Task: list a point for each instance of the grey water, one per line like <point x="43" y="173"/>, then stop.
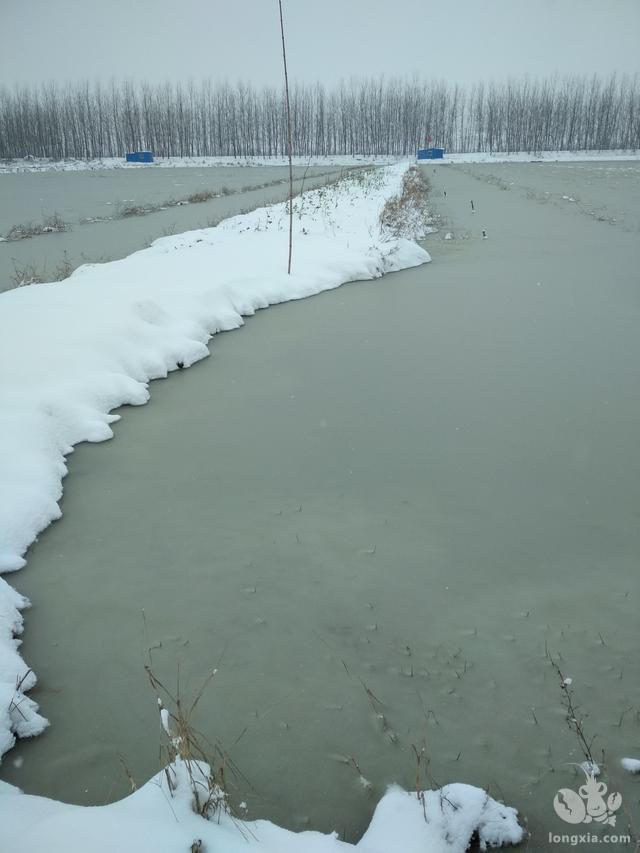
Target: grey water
<point x="375" y="512"/>
<point x="92" y="204"/>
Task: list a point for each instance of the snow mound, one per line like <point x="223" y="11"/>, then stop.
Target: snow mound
<point x="443" y="820"/>
<point x="160" y="818"/>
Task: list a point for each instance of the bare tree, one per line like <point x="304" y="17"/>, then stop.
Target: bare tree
<point x="359" y="117"/>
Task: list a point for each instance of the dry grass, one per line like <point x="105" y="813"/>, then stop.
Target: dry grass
<point x="199" y="197"/>
<point x="573" y="716"/>
<point x="406" y="215"/>
<point x="53" y="224"/>
<point x="135" y="210"/>
<point x="32" y="274"/>
<point x="208" y="766"/>
<point x="181" y="743"/>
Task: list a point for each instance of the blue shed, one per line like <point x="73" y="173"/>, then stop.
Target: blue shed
<point x="140" y="157"/>
<point x="430" y="153"/>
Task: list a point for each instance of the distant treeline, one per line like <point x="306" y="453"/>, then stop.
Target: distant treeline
<point x="385" y="116"/>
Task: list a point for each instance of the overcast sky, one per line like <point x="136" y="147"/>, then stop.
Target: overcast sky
<point x="462" y="41"/>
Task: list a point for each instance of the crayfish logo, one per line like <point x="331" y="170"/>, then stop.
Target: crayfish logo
<point x="588" y="804"/>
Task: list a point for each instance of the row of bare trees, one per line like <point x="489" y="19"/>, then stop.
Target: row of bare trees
<point x="362" y="116"/>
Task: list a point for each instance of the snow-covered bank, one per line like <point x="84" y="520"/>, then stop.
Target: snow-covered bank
<point x="73" y="351"/>
<point x="160" y="818"/>
<point x="34" y="164"/>
<point x="539" y="157"/>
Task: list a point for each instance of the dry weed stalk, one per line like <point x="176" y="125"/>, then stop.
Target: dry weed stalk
<point x="420" y="755"/>
<point x="573" y="718"/>
<point x="184" y="746"/>
<point x="289" y="137"/>
<point x="31" y="274"/>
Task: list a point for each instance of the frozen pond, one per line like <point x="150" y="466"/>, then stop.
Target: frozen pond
<point x="93" y="204"/>
<point x="374" y="511"/>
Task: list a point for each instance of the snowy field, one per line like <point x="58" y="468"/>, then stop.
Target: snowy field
<point x="75" y="350"/>
<point x="39" y="165"/>
<point x="71" y="165"/>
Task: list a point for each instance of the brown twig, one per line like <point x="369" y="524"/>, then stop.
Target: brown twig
<point x="289" y="145"/>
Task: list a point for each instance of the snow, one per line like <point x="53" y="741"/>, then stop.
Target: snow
<point x="631" y="765"/>
<point x="534" y="157"/>
<point x="164" y="717"/>
<point x="160" y="818"/>
<point x="33" y="164"/>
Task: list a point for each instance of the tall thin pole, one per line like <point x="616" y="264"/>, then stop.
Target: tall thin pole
<point x="286" y="89"/>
